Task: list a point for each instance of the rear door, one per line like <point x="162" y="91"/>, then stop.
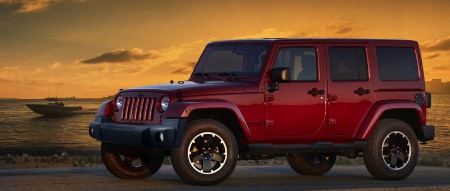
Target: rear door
<point x="350" y="89"/>
<point x="298" y="107"/>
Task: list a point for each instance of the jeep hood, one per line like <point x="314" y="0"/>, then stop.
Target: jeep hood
<point x="190" y="88"/>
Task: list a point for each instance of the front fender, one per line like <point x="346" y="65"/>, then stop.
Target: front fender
<point x="378" y="109"/>
<point x="183" y="109"/>
<point x="105" y="109"/>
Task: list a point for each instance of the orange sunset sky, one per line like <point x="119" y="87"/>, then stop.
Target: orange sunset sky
<point x="92" y="48"/>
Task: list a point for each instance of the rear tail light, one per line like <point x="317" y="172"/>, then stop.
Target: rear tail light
<point x="424" y="101"/>
<point x="428" y="99"/>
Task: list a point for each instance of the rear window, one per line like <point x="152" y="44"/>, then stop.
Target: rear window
<point x="348" y="64"/>
<point x="397" y="64"/>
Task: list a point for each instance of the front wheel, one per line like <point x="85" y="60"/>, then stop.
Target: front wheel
<point x="207" y="154"/>
<point x="313" y="164"/>
<point x="129" y="165"/>
<point x="391" y="151"/>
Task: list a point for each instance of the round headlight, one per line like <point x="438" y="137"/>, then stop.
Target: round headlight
<point x="119" y="102"/>
<point x="164" y="103"/>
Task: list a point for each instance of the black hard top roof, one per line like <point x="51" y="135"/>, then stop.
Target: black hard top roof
<point x="313" y="40"/>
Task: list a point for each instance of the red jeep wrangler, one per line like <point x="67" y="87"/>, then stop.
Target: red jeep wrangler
<point x="307" y="99"/>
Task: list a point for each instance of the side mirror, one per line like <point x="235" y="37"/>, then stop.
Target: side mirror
<point x="278" y="75"/>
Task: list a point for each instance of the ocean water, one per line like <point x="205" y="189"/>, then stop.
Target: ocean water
<point x="23" y="131"/>
<point x="439" y="115"/>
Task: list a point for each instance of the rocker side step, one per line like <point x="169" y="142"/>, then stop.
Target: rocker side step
<point x="265" y="148"/>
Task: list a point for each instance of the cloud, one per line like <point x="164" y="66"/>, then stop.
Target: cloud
<point x="338" y="28"/>
<point x="441" y="44"/>
<point x="121" y="55"/>
<point x="270" y="33"/>
<point x="432" y="56"/>
<point x="441" y="68"/>
<point x="54" y="65"/>
<point x="26" y="6"/>
<point x="153" y="66"/>
<point x="187" y="69"/>
<point x="32" y="82"/>
<point x="19" y="75"/>
<point x="37" y="71"/>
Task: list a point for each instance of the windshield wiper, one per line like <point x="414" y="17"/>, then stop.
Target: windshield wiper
<point x="231" y="75"/>
<point x="200" y="74"/>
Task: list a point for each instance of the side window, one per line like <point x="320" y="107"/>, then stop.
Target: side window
<point x="397" y="64"/>
<point x="301" y="61"/>
<point x="348" y="64"/>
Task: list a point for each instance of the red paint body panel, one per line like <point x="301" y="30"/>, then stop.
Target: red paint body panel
<point x="294" y="116"/>
<point x="376" y="112"/>
<point x="348" y="109"/>
<point x="183" y="109"/>
<point x="294" y="112"/>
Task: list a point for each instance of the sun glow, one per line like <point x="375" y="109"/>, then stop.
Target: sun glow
<point x="72" y="48"/>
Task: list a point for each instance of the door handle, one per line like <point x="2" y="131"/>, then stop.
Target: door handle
<point x="361" y="91"/>
<point x="315" y="92"/>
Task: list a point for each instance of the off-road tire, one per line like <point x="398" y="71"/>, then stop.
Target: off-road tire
<point x="313" y="164"/>
<point x="391" y="151"/>
<point x="121" y="165"/>
<point x="207" y="154"/>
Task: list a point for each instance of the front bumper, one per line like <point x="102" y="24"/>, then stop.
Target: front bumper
<point x="166" y="135"/>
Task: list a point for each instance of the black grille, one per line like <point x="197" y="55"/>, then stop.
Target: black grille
<point x="137" y="109"/>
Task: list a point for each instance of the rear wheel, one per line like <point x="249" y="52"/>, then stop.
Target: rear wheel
<point x="313" y="164"/>
<point x="129" y="165"/>
<point x="207" y="154"/>
<point x="391" y="152"/>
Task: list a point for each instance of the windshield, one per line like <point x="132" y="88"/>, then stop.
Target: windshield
<point x="236" y="61"/>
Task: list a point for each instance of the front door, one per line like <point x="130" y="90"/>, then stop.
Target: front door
<point x="350" y="90"/>
<point x="298" y="107"/>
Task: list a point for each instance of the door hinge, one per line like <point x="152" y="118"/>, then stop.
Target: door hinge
<point x="332" y="122"/>
<point x="332" y="97"/>
<point x="270" y="123"/>
<point x="269" y="98"/>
